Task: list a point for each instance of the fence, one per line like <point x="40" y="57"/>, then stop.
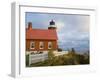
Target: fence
<point x="33" y="58"/>
<point x="56" y="53"/>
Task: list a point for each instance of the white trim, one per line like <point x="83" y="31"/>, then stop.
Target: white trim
<point x="15" y="42"/>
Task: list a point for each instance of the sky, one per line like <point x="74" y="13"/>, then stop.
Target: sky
<point x="72" y="29"/>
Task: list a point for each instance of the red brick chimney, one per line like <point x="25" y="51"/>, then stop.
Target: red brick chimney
<point x="29" y="25"/>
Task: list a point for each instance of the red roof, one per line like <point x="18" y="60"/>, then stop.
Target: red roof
<point x="42" y="34"/>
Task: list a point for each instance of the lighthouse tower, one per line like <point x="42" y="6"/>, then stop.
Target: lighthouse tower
<point x="52" y="25"/>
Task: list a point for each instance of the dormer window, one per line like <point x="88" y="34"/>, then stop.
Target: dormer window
<point x="32" y="45"/>
<point x="41" y="45"/>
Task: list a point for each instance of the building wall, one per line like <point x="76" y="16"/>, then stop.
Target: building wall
<point x="54" y="43"/>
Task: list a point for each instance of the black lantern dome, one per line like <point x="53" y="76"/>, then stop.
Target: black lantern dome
<point x="52" y="22"/>
<point x="52" y="25"/>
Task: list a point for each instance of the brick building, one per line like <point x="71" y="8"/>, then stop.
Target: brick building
<point x="41" y="39"/>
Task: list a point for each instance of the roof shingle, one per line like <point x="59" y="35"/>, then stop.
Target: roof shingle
<point x="41" y="34"/>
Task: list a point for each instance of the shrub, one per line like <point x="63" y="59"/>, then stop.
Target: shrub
<point x="27" y="60"/>
<point x="72" y="58"/>
<point x="59" y="49"/>
<point x="50" y="54"/>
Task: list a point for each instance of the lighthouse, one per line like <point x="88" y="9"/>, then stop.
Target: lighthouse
<point x="52" y="25"/>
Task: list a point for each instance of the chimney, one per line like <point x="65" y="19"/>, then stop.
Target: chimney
<point x="29" y="25"/>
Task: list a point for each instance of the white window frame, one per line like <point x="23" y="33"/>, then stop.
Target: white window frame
<point x="32" y="42"/>
<point x="49" y="43"/>
<point x="41" y="43"/>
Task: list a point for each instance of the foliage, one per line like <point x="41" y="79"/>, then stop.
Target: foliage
<point x="27" y="60"/>
<point x="50" y="54"/>
<point x="59" y="49"/>
<point x="72" y="58"/>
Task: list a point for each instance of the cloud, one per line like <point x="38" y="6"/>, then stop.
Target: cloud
<point x="60" y="25"/>
<point x="83" y="25"/>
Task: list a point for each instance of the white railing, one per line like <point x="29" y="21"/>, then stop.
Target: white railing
<point x="56" y="53"/>
<point x="33" y="58"/>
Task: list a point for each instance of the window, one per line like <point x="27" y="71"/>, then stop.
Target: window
<point x="41" y="45"/>
<point x="32" y="45"/>
<point x="49" y="45"/>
